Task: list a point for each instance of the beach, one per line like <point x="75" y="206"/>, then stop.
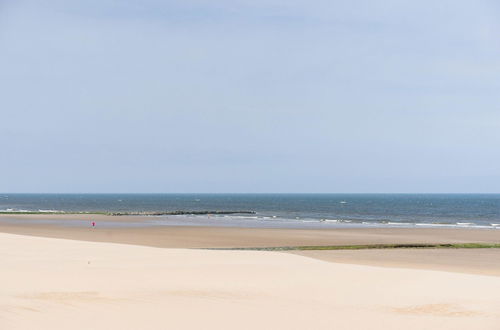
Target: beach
<point x="139" y="231"/>
<point x="249" y="165"/>
<point x="118" y="230"/>
<point x="61" y="284"/>
<point x="107" y="277"/>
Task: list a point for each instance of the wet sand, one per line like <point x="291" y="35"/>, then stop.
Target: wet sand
<point x="107" y="230"/>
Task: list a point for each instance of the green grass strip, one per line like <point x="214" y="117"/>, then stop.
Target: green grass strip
<point x="369" y="247"/>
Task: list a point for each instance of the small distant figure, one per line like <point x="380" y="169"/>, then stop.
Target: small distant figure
<point x="93" y="223"/>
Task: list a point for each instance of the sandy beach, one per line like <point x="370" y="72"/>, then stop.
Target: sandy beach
<point x="249" y="165"/>
<point x="108" y="229"/>
<point x="472" y="261"/>
<point x="67" y="284"/>
<point x="78" y="277"/>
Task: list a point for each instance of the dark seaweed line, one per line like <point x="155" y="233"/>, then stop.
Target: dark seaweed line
<point x="181" y="213"/>
<point x="134" y="213"/>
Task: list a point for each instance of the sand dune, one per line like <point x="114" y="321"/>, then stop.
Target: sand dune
<point x="472" y="261"/>
<point x="63" y="284"/>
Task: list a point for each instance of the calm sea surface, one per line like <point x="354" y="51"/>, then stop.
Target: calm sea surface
<point x="468" y="210"/>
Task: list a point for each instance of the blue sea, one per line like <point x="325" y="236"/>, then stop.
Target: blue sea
<point x="284" y="210"/>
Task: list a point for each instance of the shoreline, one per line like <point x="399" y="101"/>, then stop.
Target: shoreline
<point x="221" y="219"/>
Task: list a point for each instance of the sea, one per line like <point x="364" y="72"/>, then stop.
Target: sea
<point x="281" y="210"/>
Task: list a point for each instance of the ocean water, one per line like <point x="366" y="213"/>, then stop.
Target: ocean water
<point x="461" y="210"/>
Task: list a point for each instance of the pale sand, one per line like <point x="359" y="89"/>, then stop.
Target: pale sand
<point x="472" y="261"/>
<point x="64" y="284"/>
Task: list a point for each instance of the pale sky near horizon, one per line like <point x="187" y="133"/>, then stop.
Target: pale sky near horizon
<point x="249" y="96"/>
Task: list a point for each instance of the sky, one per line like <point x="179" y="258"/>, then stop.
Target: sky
<point x="249" y="96"/>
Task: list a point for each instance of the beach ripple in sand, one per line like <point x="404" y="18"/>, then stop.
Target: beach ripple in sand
<point x="68" y="298"/>
<point x="436" y="310"/>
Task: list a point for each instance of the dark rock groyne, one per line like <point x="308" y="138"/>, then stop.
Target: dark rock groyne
<point x="180" y="213"/>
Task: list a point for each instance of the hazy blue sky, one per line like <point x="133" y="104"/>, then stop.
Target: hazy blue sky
<point x="249" y="96"/>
